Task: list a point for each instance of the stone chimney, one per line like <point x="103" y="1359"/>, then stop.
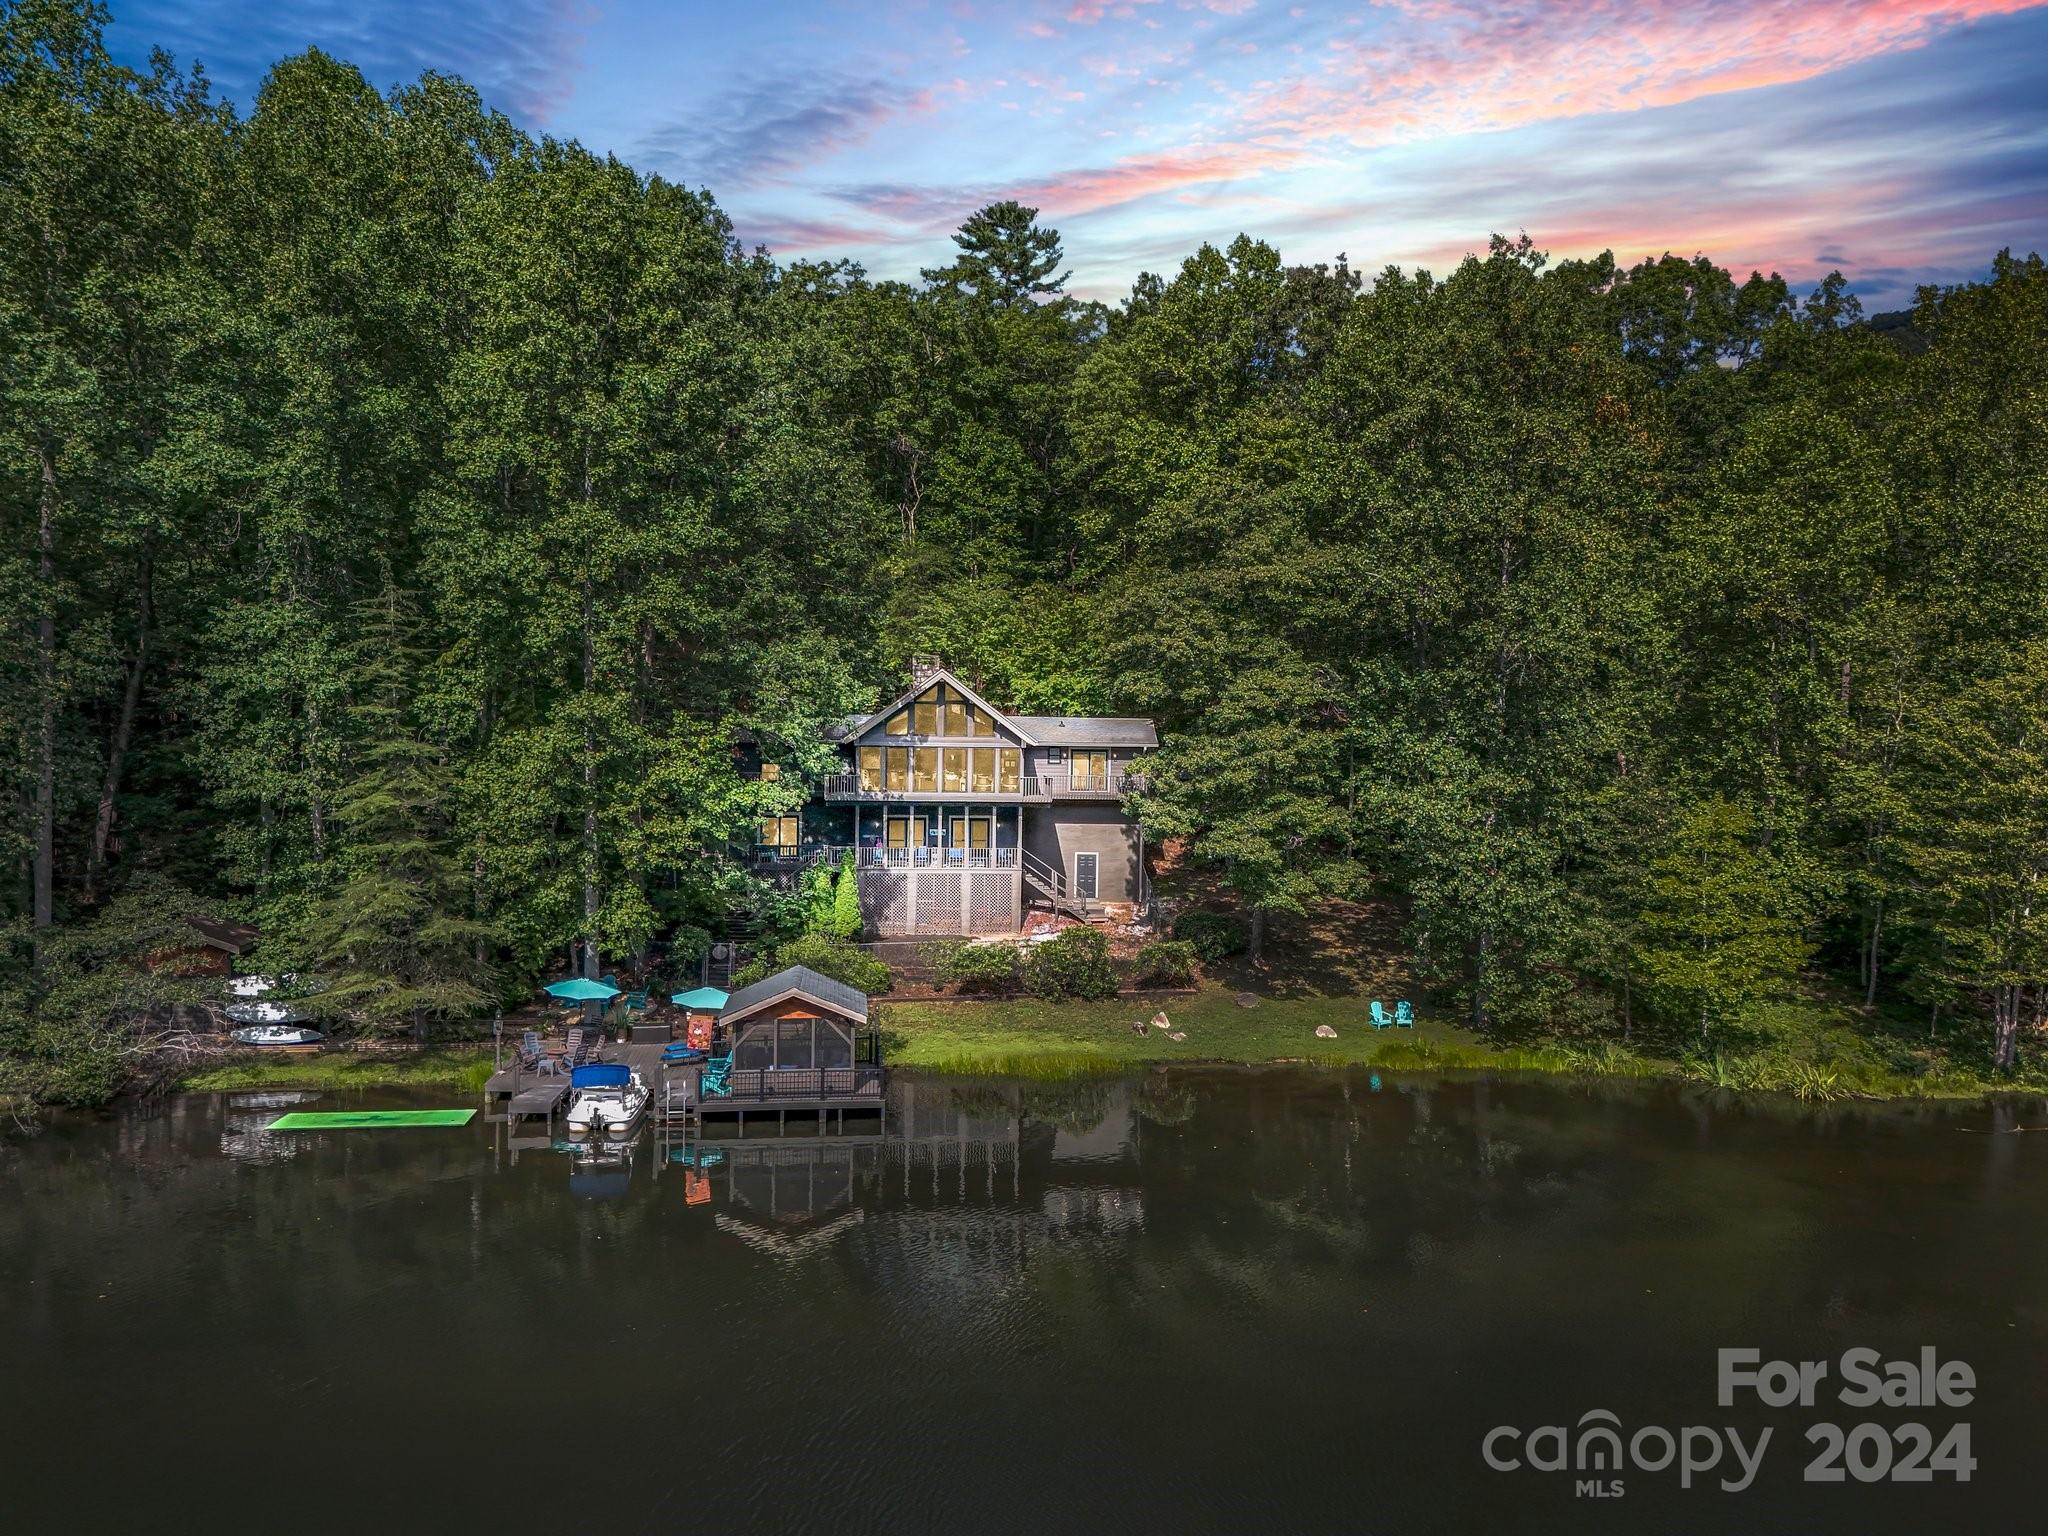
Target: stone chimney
<point x="923" y="669"/>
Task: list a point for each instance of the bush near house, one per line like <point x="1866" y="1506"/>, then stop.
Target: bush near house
<point x="992" y="969"/>
<point x="1213" y="934"/>
<point x="1076" y="964"/>
<point x="846" y="919"/>
<point x="825" y="955"/>
<point x="1164" y="963"/>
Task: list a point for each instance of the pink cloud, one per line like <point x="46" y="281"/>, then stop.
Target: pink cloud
<point x="1140" y="176"/>
<point x="1086" y="13"/>
<point x="1065" y="194"/>
<point x="1460" y="66"/>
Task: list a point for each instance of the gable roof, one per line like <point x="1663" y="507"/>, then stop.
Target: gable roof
<point x="936" y="675"/>
<point x="796" y="981"/>
<point x="1088" y="730"/>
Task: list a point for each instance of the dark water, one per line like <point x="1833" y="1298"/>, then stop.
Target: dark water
<point x="1199" y="1302"/>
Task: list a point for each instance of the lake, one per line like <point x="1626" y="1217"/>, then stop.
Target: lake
<point x="1180" y="1302"/>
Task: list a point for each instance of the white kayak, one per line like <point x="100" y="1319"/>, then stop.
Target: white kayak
<point x="264" y="1013"/>
<point x="276" y="1034"/>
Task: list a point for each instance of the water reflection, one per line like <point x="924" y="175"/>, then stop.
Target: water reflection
<point x="246" y="1119"/>
<point x="1209" y="1300"/>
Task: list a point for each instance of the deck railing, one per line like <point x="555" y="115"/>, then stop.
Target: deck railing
<point x="770" y="1085"/>
<point x="833" y="854"/>
<point x="1112" y="785"/>
<point x="938" y="858"/>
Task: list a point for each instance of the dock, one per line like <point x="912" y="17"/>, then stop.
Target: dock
<point x="822" y="1095"/>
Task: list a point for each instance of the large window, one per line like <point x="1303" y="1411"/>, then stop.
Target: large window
<point x="1010" y="769"/>
<point x="982" y="778"/>
<point x="955" y="782"/>
<point x="899" y="768"/>
<point x="870" y="768"/>
<point x="924" y="769"/>
<point x="779" y="832"/>
<point x="941" y="710"/>
<point x="1091" y="770"/>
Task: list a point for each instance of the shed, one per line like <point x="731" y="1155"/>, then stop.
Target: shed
<point x="795" y="1019"/>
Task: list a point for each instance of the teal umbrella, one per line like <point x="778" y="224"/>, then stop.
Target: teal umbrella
<point x="577" y="990"/>
<point x="704" y="999"/>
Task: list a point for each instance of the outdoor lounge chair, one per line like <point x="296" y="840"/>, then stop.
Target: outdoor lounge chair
<point x="1404" y="1014"/>
<point x="572" y="1048"/>
<point x="717" y="1074"/>
<point x="636" y="1001"/>
<point x="1381" y="1019"/>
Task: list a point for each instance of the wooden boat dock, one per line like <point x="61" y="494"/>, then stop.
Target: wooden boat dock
<point x="825" y="1095"/>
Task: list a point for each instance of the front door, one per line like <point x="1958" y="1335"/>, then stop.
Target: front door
<point x="1084" y="875"/>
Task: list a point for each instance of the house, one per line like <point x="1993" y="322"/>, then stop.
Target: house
<point x="962" y="816"/>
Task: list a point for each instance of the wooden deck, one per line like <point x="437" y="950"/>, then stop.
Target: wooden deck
<point x="524" y="1094"/>
<point x="520" y="1095"/>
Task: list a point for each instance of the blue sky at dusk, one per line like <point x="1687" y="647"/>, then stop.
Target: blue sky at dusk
<point x="1900" y="140"/>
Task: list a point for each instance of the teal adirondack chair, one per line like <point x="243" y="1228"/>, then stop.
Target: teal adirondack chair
<point x="717" y="1073"/>
<point x="1404" y="1015"/>
<point x="1380" y="1019"/>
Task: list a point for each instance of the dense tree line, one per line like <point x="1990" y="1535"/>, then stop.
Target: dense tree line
<point x="404" y="516"/>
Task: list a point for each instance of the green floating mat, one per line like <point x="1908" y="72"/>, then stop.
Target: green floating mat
<point x="364" y="1119"/>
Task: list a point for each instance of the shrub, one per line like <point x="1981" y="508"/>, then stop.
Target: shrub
<point x="1076" y="964"/>
<point x="820" y="905"/>
<point x="846" y="919"/>
<point x="986" y="968"/>
<point x="1213" y="934"/>
<point x="823" y="954"/>
<point x="1165" y="963"/>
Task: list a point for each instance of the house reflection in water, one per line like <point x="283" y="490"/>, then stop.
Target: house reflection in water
<point x="949" y="1162"/>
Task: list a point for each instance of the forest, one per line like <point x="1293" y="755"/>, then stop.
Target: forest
<point x="402" y="517"/>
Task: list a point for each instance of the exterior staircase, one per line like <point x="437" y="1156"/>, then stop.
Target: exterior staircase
<point x="1051" y="887"/>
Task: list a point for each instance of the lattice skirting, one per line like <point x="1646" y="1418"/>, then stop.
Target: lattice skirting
<point x="929" y="901"/>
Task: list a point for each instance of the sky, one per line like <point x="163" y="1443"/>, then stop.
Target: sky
<point x="1899" y="141"/>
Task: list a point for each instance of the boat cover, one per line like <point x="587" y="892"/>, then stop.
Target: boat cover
<point x="601" y="1075"/>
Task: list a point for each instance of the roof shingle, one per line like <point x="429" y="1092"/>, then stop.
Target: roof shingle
<point x="1088" y="730"/>
<point x="797" y="978"/>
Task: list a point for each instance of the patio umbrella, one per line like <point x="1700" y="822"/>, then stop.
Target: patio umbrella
<point x="579" y="990"/>
<point x="703" y="1000"/>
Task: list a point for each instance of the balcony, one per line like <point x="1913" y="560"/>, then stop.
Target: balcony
<point x="768" y="860"/>
<point x="846" y="788"/>
<point x="938" y="858"/>
<point x="1032" y="789"/>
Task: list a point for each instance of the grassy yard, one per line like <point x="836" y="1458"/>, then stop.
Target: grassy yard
<point x="1802" y="1045"/>
<point x="1032" y="1038"/>
<point x="466" y="1069"/>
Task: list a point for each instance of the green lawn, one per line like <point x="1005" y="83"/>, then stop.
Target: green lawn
<point x="1030" y="1038"/>
<point x="465" y="1068"/>
<point x="1812" y="1045"/>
